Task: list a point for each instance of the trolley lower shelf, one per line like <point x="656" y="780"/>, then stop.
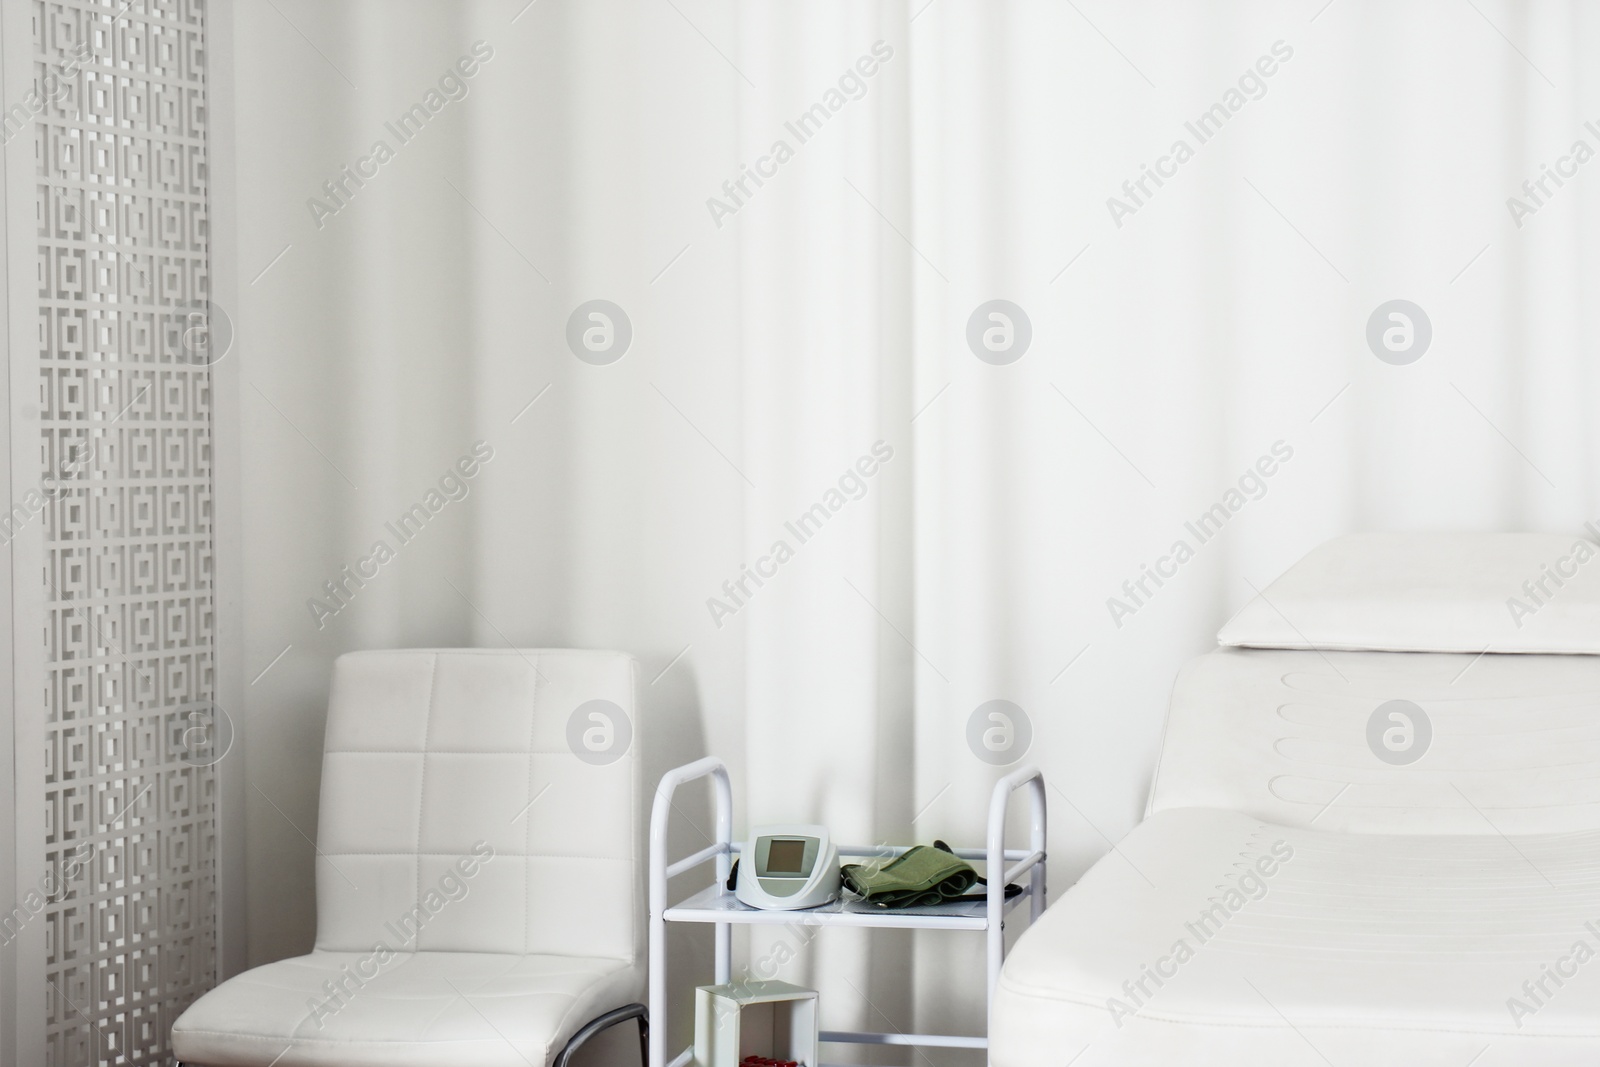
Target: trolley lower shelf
<point x="716" y="906"/>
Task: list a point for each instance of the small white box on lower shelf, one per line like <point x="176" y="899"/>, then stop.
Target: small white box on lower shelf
<point x="771" y="1019"/>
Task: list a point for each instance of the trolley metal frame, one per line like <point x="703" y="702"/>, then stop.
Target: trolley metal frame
<point x="716" y="906"/>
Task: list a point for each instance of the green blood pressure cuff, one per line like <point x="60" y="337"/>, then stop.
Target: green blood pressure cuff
<point x="917" y="878"/>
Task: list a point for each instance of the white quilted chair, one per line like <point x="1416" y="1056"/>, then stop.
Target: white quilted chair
<point x="1326" y="878"/>
<point x="479" y="885"/>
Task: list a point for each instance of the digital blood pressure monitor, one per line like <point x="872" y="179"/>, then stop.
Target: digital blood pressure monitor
<point x="785" y="868"/>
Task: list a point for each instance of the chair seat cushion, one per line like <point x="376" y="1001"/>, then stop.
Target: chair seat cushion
<point x="422" y="1009"/>
<point x="1211" y="937"/>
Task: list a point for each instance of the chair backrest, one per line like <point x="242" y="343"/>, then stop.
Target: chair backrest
<point x="481" y="800"/>
<point x="1503" y="744"/>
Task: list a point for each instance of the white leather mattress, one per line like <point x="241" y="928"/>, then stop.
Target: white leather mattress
<point x="1282" y="735"/>
<point x="1355" y="950"/>
<point x="1431" y="912"/>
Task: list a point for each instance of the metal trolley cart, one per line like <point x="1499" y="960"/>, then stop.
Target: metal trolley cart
<point x="716" y="905"/>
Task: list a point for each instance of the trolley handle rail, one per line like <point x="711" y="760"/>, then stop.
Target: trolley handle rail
<point x="1032" y="863"/>
<point x="660" y="871"/>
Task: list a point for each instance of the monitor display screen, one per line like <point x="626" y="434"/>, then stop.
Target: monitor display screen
<point x="785" y="856"/>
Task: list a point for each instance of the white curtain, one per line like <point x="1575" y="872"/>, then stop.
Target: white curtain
<point x="1020" y="541"/>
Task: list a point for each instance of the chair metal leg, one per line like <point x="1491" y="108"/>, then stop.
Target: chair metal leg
<point x="599" y="1023"/>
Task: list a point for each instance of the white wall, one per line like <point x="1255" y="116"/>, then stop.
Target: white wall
<point x="380" y="347"/>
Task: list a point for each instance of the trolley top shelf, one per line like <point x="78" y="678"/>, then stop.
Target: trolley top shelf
<point x="715" y="905"/>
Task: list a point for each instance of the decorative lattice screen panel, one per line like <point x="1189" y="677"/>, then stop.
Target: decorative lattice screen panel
<point x="120" y="157"/>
